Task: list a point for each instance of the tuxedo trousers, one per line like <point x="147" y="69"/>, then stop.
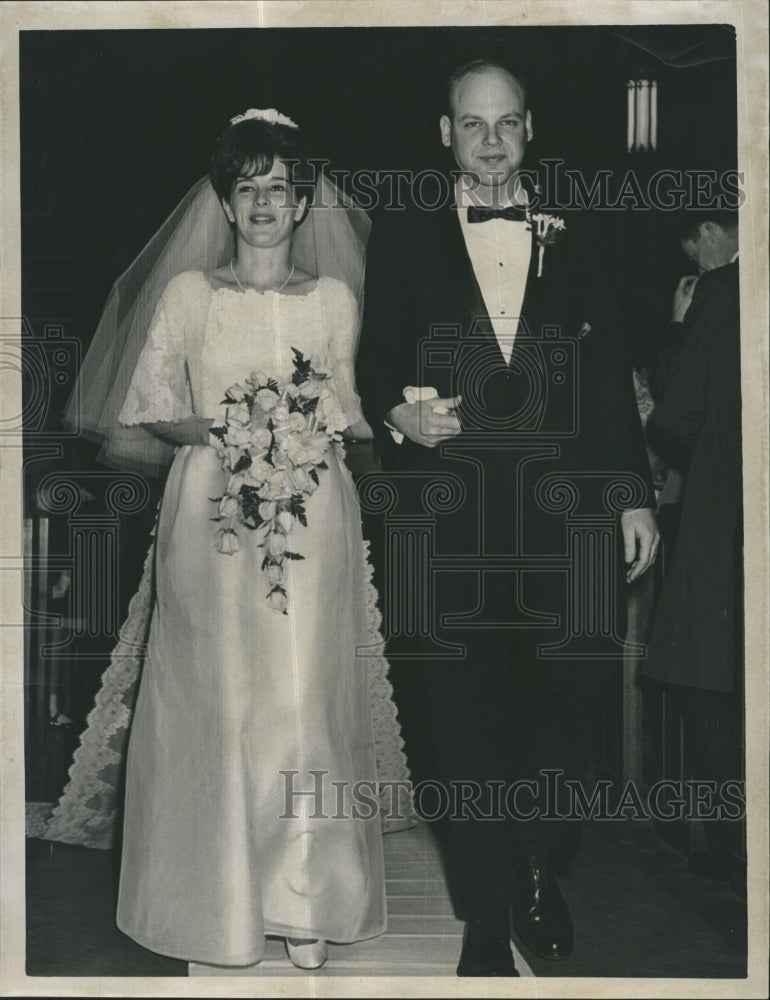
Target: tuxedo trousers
<point x="510" y="726"/>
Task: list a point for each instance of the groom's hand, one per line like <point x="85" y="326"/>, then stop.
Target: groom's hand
<point x="640" y="539"/>
<point x="429" y="422"/>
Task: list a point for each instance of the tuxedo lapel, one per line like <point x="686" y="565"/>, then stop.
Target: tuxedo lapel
<point x="460" y="269"/>
<point x="533" y="292"/>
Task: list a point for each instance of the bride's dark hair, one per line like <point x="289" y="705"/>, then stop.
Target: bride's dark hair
<point x="251" y="147"/>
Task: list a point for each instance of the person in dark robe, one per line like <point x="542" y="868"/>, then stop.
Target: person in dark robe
<point x="696" y="641"/>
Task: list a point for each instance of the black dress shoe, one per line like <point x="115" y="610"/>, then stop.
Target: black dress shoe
<point x="486" y="950"/>
<point x="540" y="915"/>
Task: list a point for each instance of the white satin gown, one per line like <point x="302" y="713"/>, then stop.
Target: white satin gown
<point x="238" y="705"/>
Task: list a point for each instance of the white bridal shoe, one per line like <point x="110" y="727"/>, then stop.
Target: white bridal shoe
<point x="307" y="954"/>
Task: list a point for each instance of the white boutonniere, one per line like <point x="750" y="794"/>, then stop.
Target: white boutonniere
<point x="548" y="229"/>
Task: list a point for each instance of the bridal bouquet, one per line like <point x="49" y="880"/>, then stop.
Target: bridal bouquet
<point x="272" y="447"/>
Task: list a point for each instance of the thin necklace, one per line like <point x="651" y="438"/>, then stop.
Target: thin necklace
<point x="235" y="276"/>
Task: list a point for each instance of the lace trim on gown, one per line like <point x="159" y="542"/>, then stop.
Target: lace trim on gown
<point x="87" y="811"/>
<point x="397" y="812"/>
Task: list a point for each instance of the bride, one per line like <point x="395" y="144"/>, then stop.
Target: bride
<point x="253" y="726"/>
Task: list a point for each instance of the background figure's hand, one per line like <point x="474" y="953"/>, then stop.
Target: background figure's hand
<point x="640" y="540"/>
<point x="428" y="422"/>
<point x="61" y="586"/>
<point x="683" y="298"/>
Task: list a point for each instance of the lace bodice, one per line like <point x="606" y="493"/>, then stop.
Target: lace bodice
<point x="203" y="340"/>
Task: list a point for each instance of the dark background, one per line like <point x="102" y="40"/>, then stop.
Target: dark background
<point x="117" y="125"/>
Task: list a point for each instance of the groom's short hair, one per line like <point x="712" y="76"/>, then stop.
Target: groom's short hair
<point x="479" y="66"/>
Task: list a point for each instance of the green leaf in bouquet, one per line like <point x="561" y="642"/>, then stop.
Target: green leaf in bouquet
<point x="219" y="432"/>
<point x="242" y="464"/>
<point x="292" y="555"/>
<point x="297" y="508"/>
<point x="302" y="368"/>
<point x="250" y="501"/>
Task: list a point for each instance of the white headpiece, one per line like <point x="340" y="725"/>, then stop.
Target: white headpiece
<point x="266" y="115"/>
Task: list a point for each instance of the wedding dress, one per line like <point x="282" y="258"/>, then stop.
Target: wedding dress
<point x="257" y="737"/>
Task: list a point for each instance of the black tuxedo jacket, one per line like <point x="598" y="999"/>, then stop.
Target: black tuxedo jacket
<point x="550" y="437"/>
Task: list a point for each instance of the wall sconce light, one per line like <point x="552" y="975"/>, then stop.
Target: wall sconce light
<point x="642" y="116"/>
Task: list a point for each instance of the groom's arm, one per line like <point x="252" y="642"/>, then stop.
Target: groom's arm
<point x="385" y="363"/>
<point x="608" y="403"/>
<point x="388" y="350"/>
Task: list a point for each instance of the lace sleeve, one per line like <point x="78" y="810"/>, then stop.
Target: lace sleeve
<point x="159" y="389"/>
<point x="345" y="323"/>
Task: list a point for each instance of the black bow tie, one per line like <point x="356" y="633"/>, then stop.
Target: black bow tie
<point x="512" y="214"/>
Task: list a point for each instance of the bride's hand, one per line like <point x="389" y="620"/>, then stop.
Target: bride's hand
<point x="193" y="430"/>
<point x="359" y="430"/>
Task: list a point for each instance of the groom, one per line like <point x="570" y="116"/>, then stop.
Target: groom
<point x="490" y="370"/>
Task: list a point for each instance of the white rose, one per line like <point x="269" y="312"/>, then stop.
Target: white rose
<point x="261" y="438"/>
<point x="238" y="413"/>
<point x="258" y="472"/>
<point x="300" y="480"/>
<point x="235" y="482"/>
<point x="276" y="544"/>
<point x="266" y="399"/>
<point x="267" y="509"/>
<point x="329" y="412"/>
<point x="238" y="434"/>
<point x="236" y="392"/>
<point x="227" y="542"/>
<point x="278" y="485"/>
<point x="296" y="422"/>
<point x="277" y="599"/>
<point x="228" y="507"/>
<point x="310" y="389"/>
<point x="285" y="520"/>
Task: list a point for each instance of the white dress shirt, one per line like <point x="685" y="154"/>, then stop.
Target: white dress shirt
<point x="500" y="252"/>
